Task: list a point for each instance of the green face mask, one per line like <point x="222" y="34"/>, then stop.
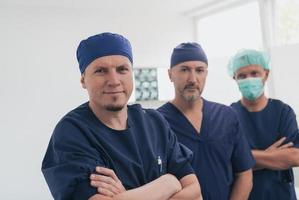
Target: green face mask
<point x="251" y="88"/>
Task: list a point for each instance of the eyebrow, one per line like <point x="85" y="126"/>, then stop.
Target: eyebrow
<point x="117" y="66"/>
<point x="195" y="66"/>
<point x="99" y="66"/>
<point x="123" y="65"/>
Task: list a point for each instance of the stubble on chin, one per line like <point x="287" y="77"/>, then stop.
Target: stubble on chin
<point x="113" y="106"/>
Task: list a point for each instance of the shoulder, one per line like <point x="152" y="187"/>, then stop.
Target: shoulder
<point x="166" y="109"/>
<point x="279" y="104"/>
<point x="219" y="109"/>
<point x="145" y="113"/>
<point x="73" y="122"/>
<point x="236" y="104"/>
<point x="149" y="120"/>
<point x="75" y="114"/>
<point x="281" y="108"/>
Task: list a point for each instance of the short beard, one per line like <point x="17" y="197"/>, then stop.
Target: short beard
<point x="191" y="98"/>
<point x="114" y="108"/>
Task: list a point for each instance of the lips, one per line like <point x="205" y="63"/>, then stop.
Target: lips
<point x="191" y="88"/>
<point x="113" y="92"/>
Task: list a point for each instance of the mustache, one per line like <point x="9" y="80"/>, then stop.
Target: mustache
<point x="191" y="86"/>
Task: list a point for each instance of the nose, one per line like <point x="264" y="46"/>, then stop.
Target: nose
<point x="192" y="77"/>
<point x="113" y="79"/>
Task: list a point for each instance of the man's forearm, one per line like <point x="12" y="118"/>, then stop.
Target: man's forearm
<point x="242" y="186"/>
<point x="160" y="189"/>
<point x="190" y="189"/>
<point x="154" y="190"/>
<point x="277" y="159"/>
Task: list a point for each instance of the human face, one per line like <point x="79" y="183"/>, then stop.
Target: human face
<point x="109" y="82"/>
<point x="251" y="71"/>
<point x="251" y="80"/>
<point x="189" y="79"/>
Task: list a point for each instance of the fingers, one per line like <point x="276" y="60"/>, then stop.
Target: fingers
<point x="288" y="145"/>
<point x="104" y="179"/>
<point x="277" y="143"/>
<point x="107" y="172"/>
<point x="105" y="189"/>
<point x="106" y="182"/>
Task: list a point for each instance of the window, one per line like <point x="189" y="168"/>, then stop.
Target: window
<point x="221" y="36"/>
<point x="287" y="21"/>
<point x="224" y="33"/>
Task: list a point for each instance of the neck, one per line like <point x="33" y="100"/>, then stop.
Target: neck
<point x="188" y="106"/>
<point x="255" y="105"/>
<point x="113" y="119"/>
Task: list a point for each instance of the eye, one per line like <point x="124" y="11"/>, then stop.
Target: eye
<point x="200" y="70"/>
<point x="183" y="69"/>
<point x="100" y="71"/>
<point x="122" y="69"/>
<point x="254" y="74"/>
<point x="241" y="76"/>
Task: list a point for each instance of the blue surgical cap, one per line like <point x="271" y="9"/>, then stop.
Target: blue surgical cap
<point x="187" y="52"/>
<point x="104" y="44"/>
<point x="247" y="57"/>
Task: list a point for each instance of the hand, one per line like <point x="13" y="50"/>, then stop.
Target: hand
<point x="278" y="145"/>
<point x="106" y="182"/>
<point x="100" y="197"/>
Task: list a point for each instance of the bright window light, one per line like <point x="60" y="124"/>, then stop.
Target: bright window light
<point x="224" y="33"/>
<point x="287" y="21"/>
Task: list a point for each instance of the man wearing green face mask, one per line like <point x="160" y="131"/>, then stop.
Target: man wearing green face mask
<point x="270" y="127"/>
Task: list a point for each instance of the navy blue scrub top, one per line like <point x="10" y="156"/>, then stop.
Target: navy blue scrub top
<point x="219" y="151"/>
<point x="81" y="142"/>
<point x="262" y="129"/>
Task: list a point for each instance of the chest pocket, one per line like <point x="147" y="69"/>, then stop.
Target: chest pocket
<point x="155" y="167"/>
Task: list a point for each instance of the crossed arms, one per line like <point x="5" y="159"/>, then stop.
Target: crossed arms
<point x="278" y="156"/>
<point x="166" y="187"/>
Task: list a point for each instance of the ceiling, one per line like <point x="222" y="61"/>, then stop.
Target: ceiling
<point x="167" y="6"/>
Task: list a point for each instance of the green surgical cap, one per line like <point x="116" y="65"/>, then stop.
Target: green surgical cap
<point x="247" y="57"/>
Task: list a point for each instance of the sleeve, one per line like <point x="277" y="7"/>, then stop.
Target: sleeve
<point x="288" y="126"/>
<point x="68" y="162"/>
<point x="242" y="158"/>
<point x="179" y="158"/>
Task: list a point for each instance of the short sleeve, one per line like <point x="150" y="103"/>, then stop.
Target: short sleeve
<point x="179" y="158"/>
<point x="242" y="158"/>
<point x="288" y="126"/>
<point x="68" y="163"/>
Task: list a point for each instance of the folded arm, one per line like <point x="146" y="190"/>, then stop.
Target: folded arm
<point x="276" y="160"/>
<point x="166" y="187"/>
<point x="277" y="156"/>
<point x="154" y="190"/>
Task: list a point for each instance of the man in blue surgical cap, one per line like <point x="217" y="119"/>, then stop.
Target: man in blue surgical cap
<point x="222" y="159"/>
<point x="105" y="149"/>
<point x="270" y="127"/>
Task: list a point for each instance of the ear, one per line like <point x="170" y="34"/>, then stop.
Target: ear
<point x="170" y="74"/>
<point x="266" y="75"/>
<point x="82" y="80"/>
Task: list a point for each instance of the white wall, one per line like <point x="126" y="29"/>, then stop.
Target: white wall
<point x="285" y="73"/>
<point x="40" y="75"/>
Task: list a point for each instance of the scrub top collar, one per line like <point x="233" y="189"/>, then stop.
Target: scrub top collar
<point x="190" y="129"/>
<point x="98" y="121"/>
